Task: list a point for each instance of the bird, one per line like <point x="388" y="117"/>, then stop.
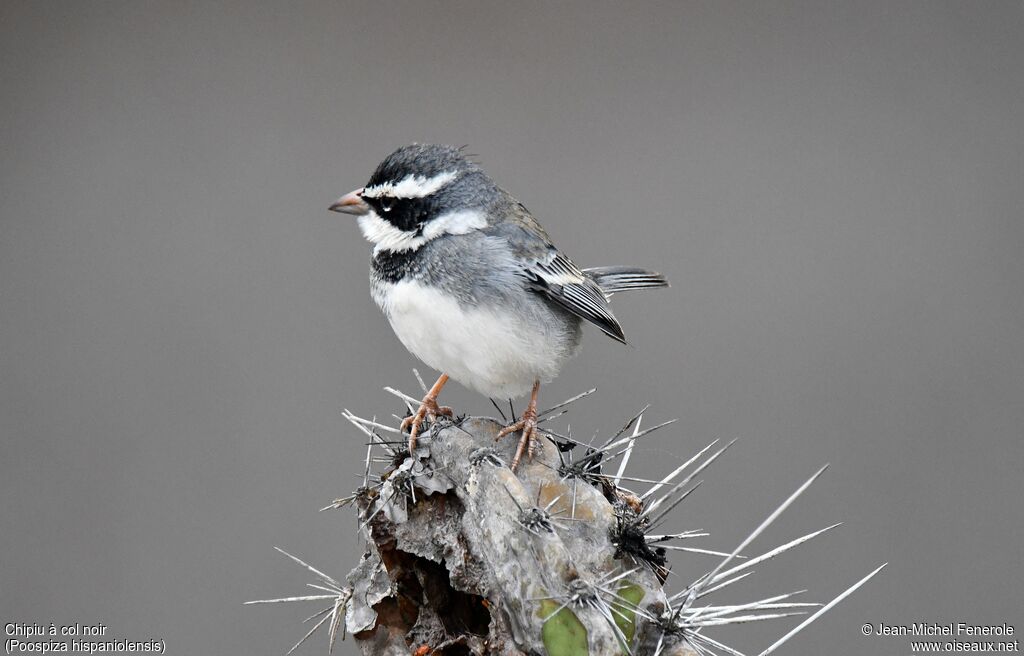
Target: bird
<point x="473" y="286"/>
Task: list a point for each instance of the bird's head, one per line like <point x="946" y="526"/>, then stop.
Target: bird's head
<point x="418" y="193"/>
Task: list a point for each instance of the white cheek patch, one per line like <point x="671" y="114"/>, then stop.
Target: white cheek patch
<point x="455" y="223"/>
<point x="411" y="186"/>
<point x="386" y="237"/>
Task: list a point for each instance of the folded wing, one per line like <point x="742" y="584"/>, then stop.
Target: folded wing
<point x="557" y="278"/>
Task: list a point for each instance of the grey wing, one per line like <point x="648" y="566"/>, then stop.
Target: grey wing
<point x="561" y="281"/>
<point x="553" y="275"/>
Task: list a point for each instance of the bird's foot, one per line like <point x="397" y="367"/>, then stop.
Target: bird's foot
<point x="528" y="425"/>
<point x="429" y="410"/>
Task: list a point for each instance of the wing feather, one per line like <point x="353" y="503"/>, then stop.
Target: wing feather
<point x="550" y="273"/>
<point x="561" y="281"/>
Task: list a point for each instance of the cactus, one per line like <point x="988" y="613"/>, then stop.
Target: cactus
<point x="464" y="556"/>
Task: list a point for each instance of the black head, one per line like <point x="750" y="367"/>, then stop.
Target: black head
<point x="411" y="188"/>
<point x="424" y="161"/>
<point x="416" y="183"/>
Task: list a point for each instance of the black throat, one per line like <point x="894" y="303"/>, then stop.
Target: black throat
<point x="392" y="266"/>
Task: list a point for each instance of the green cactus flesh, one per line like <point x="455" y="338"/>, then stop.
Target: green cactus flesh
<point x="563" y="634"/>
<point x="625" y="616"/>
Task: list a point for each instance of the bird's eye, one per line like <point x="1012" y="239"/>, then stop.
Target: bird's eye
<point x="387" y="205"/>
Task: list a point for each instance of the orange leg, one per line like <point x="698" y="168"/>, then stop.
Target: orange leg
<point x="428" y="410"/>
<point x="527" y="423"/>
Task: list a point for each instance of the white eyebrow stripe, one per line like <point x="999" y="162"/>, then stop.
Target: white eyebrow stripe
<point x="411" y="186"/>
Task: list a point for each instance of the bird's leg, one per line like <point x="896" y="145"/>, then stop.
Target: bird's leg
<point x="428" y="410"/>
<point x="527" y="424"/>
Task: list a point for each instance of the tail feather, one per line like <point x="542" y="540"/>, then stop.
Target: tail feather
<point x="612" y="279"/>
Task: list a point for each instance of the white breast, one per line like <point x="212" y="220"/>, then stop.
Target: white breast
<point x="497" y="354"/>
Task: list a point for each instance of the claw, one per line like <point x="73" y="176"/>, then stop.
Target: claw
<point x="528" y="425"/>
<point x="429" y="409"/>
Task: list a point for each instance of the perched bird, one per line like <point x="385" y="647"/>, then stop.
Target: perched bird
<point x="471" y="283"/>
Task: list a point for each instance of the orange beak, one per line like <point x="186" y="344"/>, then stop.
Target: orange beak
<point x="351" y="203"/>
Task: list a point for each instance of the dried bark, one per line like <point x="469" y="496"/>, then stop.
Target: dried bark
<point x="466" y="557"/>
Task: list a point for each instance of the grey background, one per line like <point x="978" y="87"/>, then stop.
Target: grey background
<point x="835" y="190"/>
